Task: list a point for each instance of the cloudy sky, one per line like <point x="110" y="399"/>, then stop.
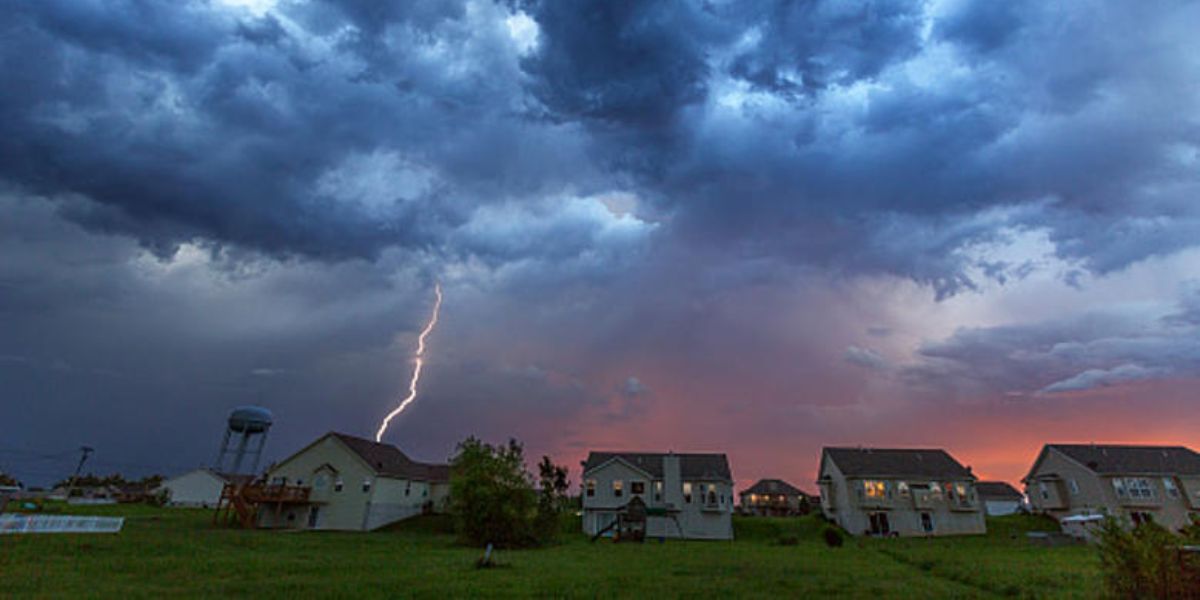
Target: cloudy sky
<point x="756" y="228"/>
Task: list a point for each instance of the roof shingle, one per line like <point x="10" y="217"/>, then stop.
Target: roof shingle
<point x="774" y="486"/>
<point x="710" y="467"/>
<point x="389" y="461"/>
<point x="897" y="462"/>
<point x="1119" y="460"/>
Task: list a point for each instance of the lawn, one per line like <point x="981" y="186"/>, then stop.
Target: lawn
<point x="179" y="552"/>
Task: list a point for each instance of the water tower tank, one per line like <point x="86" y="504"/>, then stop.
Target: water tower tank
<point x="247" y="424"/>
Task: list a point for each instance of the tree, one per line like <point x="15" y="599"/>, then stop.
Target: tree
<point x="1146" y="562"/>
<point x="552" y="497"/>
<point x="6" y="479"/>
<point x="492" y="499"/>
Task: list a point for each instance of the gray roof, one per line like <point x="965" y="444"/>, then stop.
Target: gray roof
<point x="897" y="462"/>
<point x="774" y="486"/>
<point x="709" y="467"/>
<point x="997" y="490"/>
<point x="1118" y="460"/>
<point x="389" y="461"/>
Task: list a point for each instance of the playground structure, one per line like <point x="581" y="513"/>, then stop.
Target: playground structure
<point x="630" y="524"/>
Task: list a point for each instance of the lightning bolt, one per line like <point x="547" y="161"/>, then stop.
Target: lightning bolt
<point x="418" y="363"/>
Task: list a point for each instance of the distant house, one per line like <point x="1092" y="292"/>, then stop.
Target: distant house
<point x="684" y="495"/>
<point x="907" y="492"/>
<point x="200" y="488"/>
<point x="999" y="498"/>
<point x="1135" y="483"/>
<point x="350" y="483"/>
<point x="772" y="497"/>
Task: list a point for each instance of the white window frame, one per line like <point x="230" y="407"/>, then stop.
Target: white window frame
<point x="1170" y="487"/>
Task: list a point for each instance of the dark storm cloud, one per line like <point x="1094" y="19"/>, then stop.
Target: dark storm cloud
<point x="1090" y="351"/>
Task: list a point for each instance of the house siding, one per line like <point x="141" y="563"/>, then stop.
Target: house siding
<point x="840" y="502"/>
<point x="199" y="488"/>
<point x="694" y="519"/>
<point x="1096" y="494"/>
<point x="344" y="510"/>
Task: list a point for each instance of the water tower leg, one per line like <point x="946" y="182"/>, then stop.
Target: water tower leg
<point x="262" y="441"/>
<point x="240" y="453"/>
<point x="221" y="453"/>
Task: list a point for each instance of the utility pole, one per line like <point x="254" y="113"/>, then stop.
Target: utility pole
<point x="86" y="450"/>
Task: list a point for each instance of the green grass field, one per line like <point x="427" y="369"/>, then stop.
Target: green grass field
<point x="179" y="552"/>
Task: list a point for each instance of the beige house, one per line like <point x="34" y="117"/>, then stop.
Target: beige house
<point x="686" y="496"/>
<point x="999" y="498"/>
<point x="1136" y="483"/>
<point x="772" y="497"/>
<point x="200" y="488"/>
<point x="353" y="484"/>
<point x="875" y="491"/>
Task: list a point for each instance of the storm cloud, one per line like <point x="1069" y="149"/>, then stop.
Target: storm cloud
<point x="792" y="216"/>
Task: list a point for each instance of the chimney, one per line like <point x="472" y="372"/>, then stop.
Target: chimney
<point x="672" y="481"/>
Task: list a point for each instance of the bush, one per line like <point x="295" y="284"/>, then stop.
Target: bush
<point x="492" y="497"/>
<point x="833" y="538"/>
<point x="1145" y="562"/>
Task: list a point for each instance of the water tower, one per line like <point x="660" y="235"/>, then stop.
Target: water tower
<point x="245" y="422"/>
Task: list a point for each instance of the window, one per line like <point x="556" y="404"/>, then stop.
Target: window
<point x="590" y="489"/>
<point x="961" y="490"/>
<point x="1139" y="487"/>
<point x="1119" y="486"/>
<point x="407" y="488"/>
<point x="1045" y="491"/>
<point x="299" y="482"/>
<point x="935" y="490"/>
<point x="618" y="487"/>
<point x="1074" y="485"/>
<point x="658" y="489"/>
<point x="1169" y="485"/>
<point x="712" y="494"/>
<point x="687" y="492"/>
<point x="366" y="485"/>
<point x="337" y="485"/>
<point x="874" y="489"/>
<point x="320" y="481"/>
<point x="927" y="522"/>
<point x="637" y="487"/>
<point x="902" y="489"/>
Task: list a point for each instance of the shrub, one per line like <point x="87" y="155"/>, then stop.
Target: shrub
<point x="1145" y="562"/>
<point x="492" y="497"/>
<point x="833" y="538"/>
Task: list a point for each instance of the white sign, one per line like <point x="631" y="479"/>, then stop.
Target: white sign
<point x="12" y="523"/>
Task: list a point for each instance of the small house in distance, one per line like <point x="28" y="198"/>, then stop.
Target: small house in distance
<point x="686" y="496"/>
<point x="999" y="498"/>
<point x="1135" y="483"/>
<point x="773" y="498"/>
<point x="346" y="483"/>
<point x="878" y="491"/>
<point x="200" y="488"/>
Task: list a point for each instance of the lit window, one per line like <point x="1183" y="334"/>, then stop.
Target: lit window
<point x="637" y="487"/>
<point x="961" y="490"/>
<point x="658" y="490"/>
<point x="618" y="487"/>
<point x="874" y="489"/>
<point x="1169" y="485"/>
<point x="687" y="491"/>
<point x="591" y="487"/>
<point x="902" y="488"/>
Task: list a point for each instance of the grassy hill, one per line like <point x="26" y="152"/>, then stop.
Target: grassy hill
<point x="179" y="551"/>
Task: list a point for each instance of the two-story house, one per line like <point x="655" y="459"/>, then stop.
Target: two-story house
<point x="686" y="496"/>
<point x="1137" y="483"/>
<point x="350" y="483"/>
<point x="773" y="497"/>
<point x="909" y="492"/>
